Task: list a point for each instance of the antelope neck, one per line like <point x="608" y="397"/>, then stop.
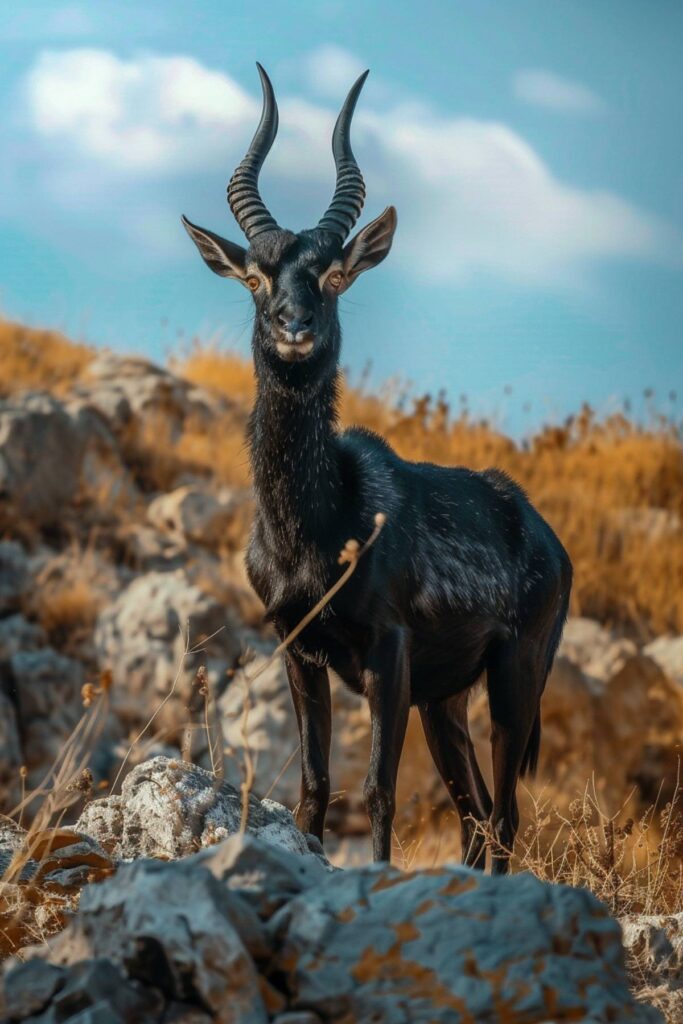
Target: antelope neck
<point x="294" y="459"/>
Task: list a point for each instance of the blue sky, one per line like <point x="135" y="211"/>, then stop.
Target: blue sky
<point x="532" y="148"/>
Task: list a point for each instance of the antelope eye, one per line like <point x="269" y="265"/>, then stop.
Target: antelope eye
<point x="253" y="283"/>
<point x="335" y="279"/>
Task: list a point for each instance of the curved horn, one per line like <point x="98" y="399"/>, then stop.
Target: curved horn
<point x="349" y="192"/>
<point x="250" y="212"/>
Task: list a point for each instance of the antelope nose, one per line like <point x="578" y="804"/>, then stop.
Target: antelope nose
<point x="295" y="323"/>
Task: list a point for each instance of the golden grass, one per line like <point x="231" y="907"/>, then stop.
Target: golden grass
<point x="67" y="598"/>
<point x="226" y="371"/>
<point x="39" y="360"/>
<point x="611" y="488"/>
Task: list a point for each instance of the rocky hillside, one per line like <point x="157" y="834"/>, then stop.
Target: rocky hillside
<point x="126" y="620"/>
<point x="192" y="921"/>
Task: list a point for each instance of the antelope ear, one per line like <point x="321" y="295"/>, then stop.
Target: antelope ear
<point x="370" y="245"/>
<point x="227" y="259"/>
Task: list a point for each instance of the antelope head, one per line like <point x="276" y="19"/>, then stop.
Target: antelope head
<point x="295" y="279"/>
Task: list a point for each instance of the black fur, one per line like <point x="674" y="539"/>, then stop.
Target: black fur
<point x="465" y="578"/>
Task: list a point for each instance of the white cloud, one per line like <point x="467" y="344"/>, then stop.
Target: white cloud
<point x="473" y="196"/>
<point x="157" y="114"/>
<point x="331" y="70"/>
<point x="545" y="89"/>
<point x="487" y="202"/>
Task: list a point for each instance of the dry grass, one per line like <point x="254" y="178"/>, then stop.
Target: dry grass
<point x="209" y="365"/>
<point x="32" y="907"/>
<point x="67" y="597"/>
<point x="632" y="866"/>
<point x="38" y="360"/>
<point x="612" y="487"/>
<point x="157" y="459"/>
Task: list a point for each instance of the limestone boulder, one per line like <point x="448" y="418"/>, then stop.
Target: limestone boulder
<point x="92" y="992"/>
<point x="154" y="636"/>
<point x="258" y="927"/>
<point x="198" y="515"/>
<point x="43" y="873"/>
<point x="129" y="392"/>
<point x="174" y="931"/>
<point x="584" y="640"/>
<point x="450" y="944"/>
<point x="51" y="453"/>
<point x="45" y="690"/>
<point x="639" y="726"/>
<point x="41" y="451"/>
<point x="10" y="754"/>
<point x="144" y="549"/>
<point x="609" y="710"/>
<point x="654" y="950"/>
<point x="169" y="809"/>
<point x="266" y="876"/>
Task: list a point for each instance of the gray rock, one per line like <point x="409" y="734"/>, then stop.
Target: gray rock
<point x="160" y="629"/>
<point x="130" y="392"/>
<point x="297" y="1017"/>
<point x="271" y="729"/>
<point x="95" y="986"/>
<point x="656" y="941"/>
<point x="583" y="640"/>
<point x="183" y="1013"/>
<point x="14" y="572"/>
<point x="145" y="549"/>
<point x="197" y="514"/>
<point x="103" y="475"/>
<point x="29" y="987"/>
<point x="175" y="928"/>
<point x="41" y="451"/>
<point x="169" y="809"/>
<point x="654" y="949"/>
<point x="451" y="944"/>
<point x="18" y="634"/>
<point x="263" y="875"/>
<point x="89" y="992"/>
<point x="50" y="451"/>
<point x="45" y="688"/>
<point x="42" y="679"/>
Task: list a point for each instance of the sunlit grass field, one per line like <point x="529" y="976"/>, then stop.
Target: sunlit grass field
<point x="612" y="487"/>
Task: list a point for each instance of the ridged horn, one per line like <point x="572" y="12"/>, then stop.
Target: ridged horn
<point x="249" y="210"/>
<point x="349" y="192"/>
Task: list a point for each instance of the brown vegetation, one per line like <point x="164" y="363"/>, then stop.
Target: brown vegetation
<point x="612" y="488"/>
<point x="67" y="598"/>
<point x="41" y="360"/>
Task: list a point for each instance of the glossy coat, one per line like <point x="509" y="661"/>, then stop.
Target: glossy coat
<point x="465" y="579"/>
